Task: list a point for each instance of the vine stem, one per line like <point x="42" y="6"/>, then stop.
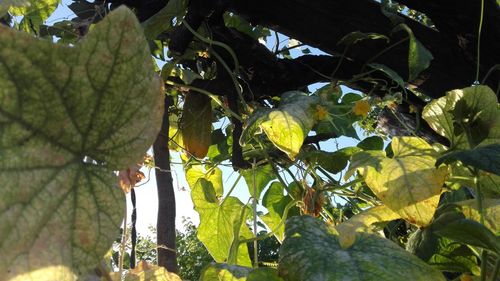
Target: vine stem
<point x="496" y="270"/>
<point x="479" y="41"/>
<point x="254" y="209"/>
<point x="273" y="232"/>
<point x="219" y="58"/>
<point x="231" y="189"/>
<point x="212" y="96"/>
<point x="124" y="241"/>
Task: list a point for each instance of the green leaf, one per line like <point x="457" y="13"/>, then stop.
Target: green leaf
<point x="288" y="125"/>
<point x="263" y="273"/>
<point x="469" y="232"/>
<point x="370" y="258"/>
<point x="419" y="58"/>
<point x="442" y="253"/>
<point x="478" y="112"/>
<point x="473" y="107"/>
<point x="219" y="221"/>
<point x="213" y="176"/>
<point x="35" y="14"/>
<point x="408" y="183"/>
<point x="372" y="143"/>
<point x="14" y="5"/>
<point x="333" y="162"/>
<point x="69" y="117"/>
<point x="486" y="158"/>
<point x="225" y="272"/>
<point x="262" y="174"/>
<point x="164" y="19"/>
<point x="275" y="202"/>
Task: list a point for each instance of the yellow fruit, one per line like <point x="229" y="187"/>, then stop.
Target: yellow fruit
<point x="196" y="124"/>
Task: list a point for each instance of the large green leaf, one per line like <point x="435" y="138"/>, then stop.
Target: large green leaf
<point x="370" y="258"/>
<point x="287" y="126"/>
<point x="220" y="220"/>
<point x="475" y="108"/>
<point x="442" y="253"/>
<point x="408" y="183"/>
<point x="485" y="157"/>
<point x="225" y="272"/>
<point x="69" y="116"/>
<point x="258" y="177"/>
<point x="469" y="232"/>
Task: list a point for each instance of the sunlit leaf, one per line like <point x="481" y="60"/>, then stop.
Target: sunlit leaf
<point x="408" y="183"/>
<point x="474" y="108"/>
<point x="5" y="5"/>
<point x="225" y="272"/>
<point x="150" y="272"/>
<point x="287" y="126"/>
<point x="69" y="116"/>
<point x="370" y="258"/>
<point x="219" y="220"/>
<point x="361" y="223"/>
<point x="275" y="202"/>
<point x="34" y="14"/>
<point x="491" y="212"/>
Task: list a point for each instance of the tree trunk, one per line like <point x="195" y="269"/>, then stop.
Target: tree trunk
<point x="165" y="225"/>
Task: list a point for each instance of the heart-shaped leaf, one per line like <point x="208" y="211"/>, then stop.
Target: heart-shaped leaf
<point x="473" y="108"/>
<point x="287" y="126"/>
<point x="370" y="258"/>
<point x="69" y="116"/>
<point x="408" y="183"/>
<point x="220" y="221"/>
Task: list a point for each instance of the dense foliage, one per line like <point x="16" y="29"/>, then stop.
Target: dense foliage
<point x="417" y="197"/>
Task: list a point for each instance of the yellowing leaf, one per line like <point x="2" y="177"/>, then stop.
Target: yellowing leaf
<point x="287" y="126"/>
<point x="69" y="117"/>
<point x="491" y="208"/>
<point x="362" y="222"/>
<point x="361" y="108"/>
<point x="409" y="184"/>
<point x="149" y="272"/>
